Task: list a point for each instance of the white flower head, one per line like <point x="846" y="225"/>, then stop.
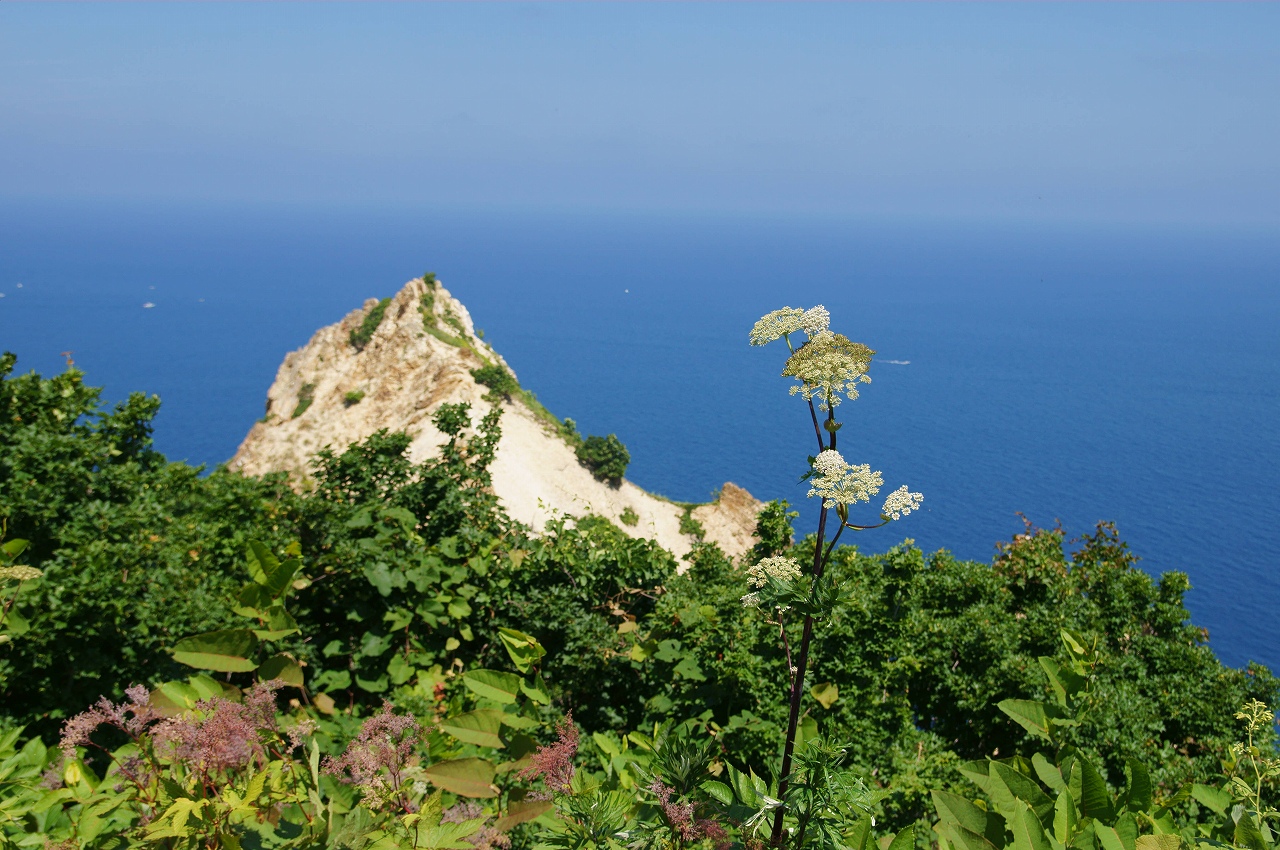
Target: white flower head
<point x="779" y="568"/>
<point x="816" y="320"/>
<point x="826" y="366"/>
<point x="776" y="325"/>
<point x="838" y="482"/>
<point x="899" y="503"/>
<point x="751" y="600"/>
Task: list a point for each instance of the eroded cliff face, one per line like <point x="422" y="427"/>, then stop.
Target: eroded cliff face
<point x="405" y="372"/>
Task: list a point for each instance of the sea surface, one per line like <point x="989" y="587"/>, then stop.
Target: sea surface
<point x="1072" y="373"/>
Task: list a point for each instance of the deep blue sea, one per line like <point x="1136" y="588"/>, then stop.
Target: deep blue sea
<point x="1071" y="373"/>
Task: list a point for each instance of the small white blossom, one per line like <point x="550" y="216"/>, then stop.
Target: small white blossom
<point x="826" y="366"/>
<point x="779" y="568"/>
<point x="776" y="325"/>
<point x="816" y="320"/>
<point x="899" y="503"/>
<point x="838" y="482"/>
<point x="751" y="600"/>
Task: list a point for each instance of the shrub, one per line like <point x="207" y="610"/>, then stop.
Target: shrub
<point x="352" y="397"/>
<point x="500" y="382"/>
<point x="629" y="517"/>
<point x="606" y="457"/>
<point x="689" y="525"/>
<point x="360" y="336"/>
<point x="306" y="395"/>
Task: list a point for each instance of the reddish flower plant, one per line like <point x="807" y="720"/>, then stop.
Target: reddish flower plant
<point x="375" y="761"/>
<point x="554" y="763"/>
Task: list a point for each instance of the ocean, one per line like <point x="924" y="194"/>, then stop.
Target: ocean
<point x="1070" y="373"/>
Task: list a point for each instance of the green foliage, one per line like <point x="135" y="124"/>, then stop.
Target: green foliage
<point x="629" y="517"/>
<point x="774" y="533"/>
<point x="135" y="552"/>
<point x="360" y="336"/>
<point x="306" y="395"/>
<point x="689" y="525"/>
<point x="606" y="457"/>
<point x="501" y="383"/>
<point x="352" y="397"/>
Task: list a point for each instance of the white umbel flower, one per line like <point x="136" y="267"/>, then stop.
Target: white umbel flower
<point x="776" y="325"/>
<point x="838" y="482"/>
<point x="779" y="568"/>
<point x="899" y="503"/>
<point x="816" y="320"/>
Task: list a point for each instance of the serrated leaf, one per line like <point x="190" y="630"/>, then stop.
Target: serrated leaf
<point x="501" y="687"/>
<point x="225" y="651"/>
<point x="471" y="777"/>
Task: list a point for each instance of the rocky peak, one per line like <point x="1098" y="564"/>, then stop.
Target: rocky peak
<point x="360" y="375"/>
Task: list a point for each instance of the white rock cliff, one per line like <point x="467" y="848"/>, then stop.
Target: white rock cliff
<point x="405" y="373"/>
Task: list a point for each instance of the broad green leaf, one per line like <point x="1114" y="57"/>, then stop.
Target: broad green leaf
<point x="956" y="810"/>
<point x="1215" y="798"/>
<point x="1159" y="842"/>
<point x="1137" y="787"/>
<point x="270" y="572"/>
<point x="373" y="686"/>
<point x="904" y="840"/>
<point x="1065" y="817"/>
<point x="1010" y="786"/>
<point x="857" y="836"/>
<point x="470" y="777"/>
<point x="1127" y="828"/>
<point x="519" y="721"/>
<point x="525" y="651"/>
<point x="538" y="691"/>
<point x="1048" y="772"/>
<point x="478" y="727"/>
<point x="502" y="687"/>
<point x="1095" y="802"/>
<point x="522" y="811"/>
<point x="1028" y="833"/>
<point x="1108" y="837"/>
<point x="281" y="667"/>
<point x="1248" y="835"/>
<point x="1066" y="683"/>
<point x="224" y="651"/>
<point x="825" y="693"/>
<point x="979" y="772"/>
<point x="1032" y="715"/>
<point x="718" y="791"/>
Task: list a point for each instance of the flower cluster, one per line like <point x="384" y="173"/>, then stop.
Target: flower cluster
<point x="681" y="817"/>
<point x="554" y="762"/>
<point x="376" y="760"/>
<point x="777" y="325"/>
<point x="899" y="503"/>
<point x="219" y="734"/>
<point x="838" y="482"/>
<point x="779" y="568"/>
<point x="826" y="366"/>
<point x="132" y="718"/>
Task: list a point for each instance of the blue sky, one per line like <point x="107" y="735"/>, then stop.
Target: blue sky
<point x="1079" y="111"/>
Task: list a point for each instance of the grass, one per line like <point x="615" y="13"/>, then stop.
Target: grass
<point x="306" y="395"/>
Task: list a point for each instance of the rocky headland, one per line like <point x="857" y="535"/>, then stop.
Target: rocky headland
<point x="421" y="355"/>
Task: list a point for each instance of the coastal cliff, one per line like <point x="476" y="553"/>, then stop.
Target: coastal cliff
<point x="419" y="356"/>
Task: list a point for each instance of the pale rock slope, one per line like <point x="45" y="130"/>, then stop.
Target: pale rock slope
<point x="406" y="373"/>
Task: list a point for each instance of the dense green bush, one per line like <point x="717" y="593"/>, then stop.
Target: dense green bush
<point x="501" y="383"/>
<point x="414" y="568"/>
<point x="606" y="457"/>
<point x="360" y="336"/>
